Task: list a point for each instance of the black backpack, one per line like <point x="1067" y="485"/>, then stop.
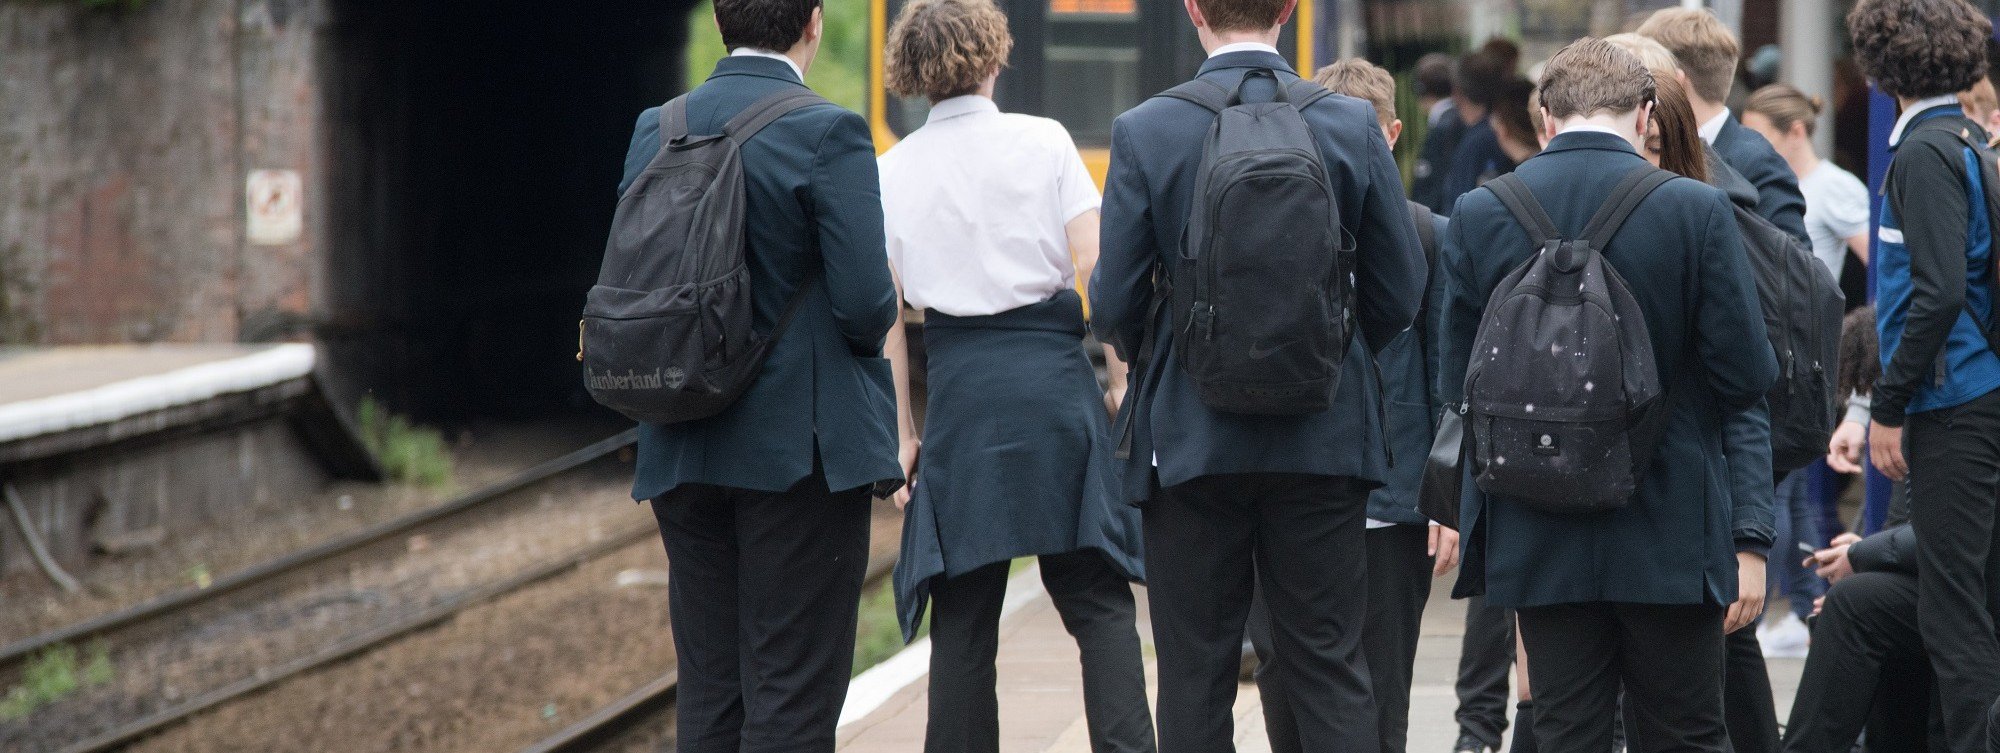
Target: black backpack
<point x="667" y="332"/>
<point x="1803" y="307"/>
<point x="1562" y="396"/>
<point x="1261" y="292"/>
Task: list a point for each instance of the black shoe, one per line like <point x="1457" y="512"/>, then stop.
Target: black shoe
<point x="1470" y="744"/>
<point x="1247" y="671"/>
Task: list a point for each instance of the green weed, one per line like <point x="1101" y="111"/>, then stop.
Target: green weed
<point x="409" y="454"/>
<point x="54" y="674"/>
<point x="879" y="634"/>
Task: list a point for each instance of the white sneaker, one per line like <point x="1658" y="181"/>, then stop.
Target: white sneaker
<point x="1785" y="638"/>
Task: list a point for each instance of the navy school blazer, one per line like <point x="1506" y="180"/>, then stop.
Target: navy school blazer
<point x="1684" y="259"/>
<point x="1155" y="150"/>
<point x="824" y="398"/>
<point x="1778" y="196"/>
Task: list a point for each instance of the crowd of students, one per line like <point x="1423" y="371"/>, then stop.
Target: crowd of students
<point x="1288" y="512"/>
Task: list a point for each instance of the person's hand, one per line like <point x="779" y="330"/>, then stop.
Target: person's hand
<point x="1846" y="539"/>
<point x="1885" y="449"/>
<point x="1749" y="593"/>
<point x="906" y="454"/>
<point x="1831" y="563"/>
<point x="1843" y="452"/>
<point x="1443" y="549"/>
<point x="1113" y="398"/>
<point x="1818" y="604"/>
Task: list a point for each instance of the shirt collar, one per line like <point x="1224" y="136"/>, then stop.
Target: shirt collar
<point x="1590" y="128"/>
<point x="1439" y="110"/>
<point x="753" y="52"/>
<point x="1917" y="108"/>
<point x="961" y="105"/>
<point x="1243" y="47"/>
<point x="1713" y="127"/>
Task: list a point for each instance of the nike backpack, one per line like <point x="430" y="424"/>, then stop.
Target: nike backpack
<point x="667" y="335"/>
<point x="1562" y="396"/>
<point x="1802" y="306"/>
<point x="1261" y="295"/>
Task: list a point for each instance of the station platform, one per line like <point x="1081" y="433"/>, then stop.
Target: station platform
<point x="52" y="391"/>
<point x="114" y="448"/>
<point x="1041" y="689"/>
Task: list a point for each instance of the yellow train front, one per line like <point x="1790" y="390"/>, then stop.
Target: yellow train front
<point x="1081" y="62"/>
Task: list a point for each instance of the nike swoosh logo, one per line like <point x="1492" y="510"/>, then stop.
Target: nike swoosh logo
<point x="1259" y="354"/>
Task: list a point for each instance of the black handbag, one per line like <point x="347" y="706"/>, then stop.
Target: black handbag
<point x="1438" y="497"/>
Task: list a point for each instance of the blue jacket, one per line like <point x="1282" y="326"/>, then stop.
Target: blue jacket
<point x="1684" y="260"/>
<point x="1778" y="197"/>
<point x="1935" y="259"/>
<point x="1434" y="161"/>
<point x="1155" y="149"/>
<point x="825" y="396"/>
<point x="1409" y="366"/>
<point x="1478" y="159"/>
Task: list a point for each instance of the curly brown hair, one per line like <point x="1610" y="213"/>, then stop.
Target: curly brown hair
<point x="941" y="49"/>
<point x="1860" y="358"/>
<point x="1919" y="48"/>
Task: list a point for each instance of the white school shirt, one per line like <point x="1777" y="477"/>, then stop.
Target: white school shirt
<point x="975" y="204"/>
<point x="1713" y="128"/>
<point x="1836" y="209"/>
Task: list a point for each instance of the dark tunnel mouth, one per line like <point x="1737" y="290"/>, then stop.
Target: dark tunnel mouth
<point x="473" y="154"/>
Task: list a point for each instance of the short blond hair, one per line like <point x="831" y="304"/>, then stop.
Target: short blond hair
<point x="1655" y="56"/>
<point x="1591" y="76"/>
<point x="1361" y="79"/>
<point x="1705" y="49"/>
<point x="940" y="49"/>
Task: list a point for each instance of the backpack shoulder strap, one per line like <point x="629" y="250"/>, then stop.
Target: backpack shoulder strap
<point x="1622" y="202"/>
<point x="1518" y="199"/>
<point x="1989" y="184"/>
<point x="1209" y="95"/>
<point x="768" y="110"/>
<point x="1426" y="232"/>
<point x="674" y="121"/>
<point x="1304" y="93"/>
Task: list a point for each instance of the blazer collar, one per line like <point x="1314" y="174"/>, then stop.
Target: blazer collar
<point x="1574" y="140"/>
<point x="745" y="65"/>
<point x="1252" y="59"/>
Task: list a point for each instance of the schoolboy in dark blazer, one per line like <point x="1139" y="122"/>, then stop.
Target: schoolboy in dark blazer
<point x="764" y="508"/>
<point x="1221" y="489"/>
<point x="1638" y="594"/>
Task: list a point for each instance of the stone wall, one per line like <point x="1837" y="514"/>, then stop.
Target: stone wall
<point x="126" y="134"/>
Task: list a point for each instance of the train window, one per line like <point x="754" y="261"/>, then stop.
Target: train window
<point x="1091" y="71"/>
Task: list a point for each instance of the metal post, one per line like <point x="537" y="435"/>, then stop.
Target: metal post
<point x="1808" y="37"/>
<point x="1881" y="120"/>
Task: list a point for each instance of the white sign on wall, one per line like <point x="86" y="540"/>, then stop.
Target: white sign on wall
<point x="276" y="207"/>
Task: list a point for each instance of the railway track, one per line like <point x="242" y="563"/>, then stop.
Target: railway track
<point x="329" y="561"/>
<point x="650" y="706"/>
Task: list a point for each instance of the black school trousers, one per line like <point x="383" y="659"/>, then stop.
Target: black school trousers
<point x="1665" y="657"/>
<point x="1867" y="670"/>
<point x="1097" y="609"/>
<point x="1399" y="583"/>
<point x="1205" y="541"/>
<point x="763" y="588"/>
<point x="1485" y="670"/>
<point x="1954" y="459"/>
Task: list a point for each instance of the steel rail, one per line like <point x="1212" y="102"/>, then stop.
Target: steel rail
<point x="618" y="717"/>
<point x="360" y="643"/>
<point x="13" y="654"/>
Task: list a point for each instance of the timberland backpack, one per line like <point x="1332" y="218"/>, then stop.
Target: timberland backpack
<point x="667" y="334"/>
<point x="1562" y="395"/>
<point x="1261" y="292"/>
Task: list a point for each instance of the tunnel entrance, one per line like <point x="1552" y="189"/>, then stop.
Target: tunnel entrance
<point x="474" y="152"/>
